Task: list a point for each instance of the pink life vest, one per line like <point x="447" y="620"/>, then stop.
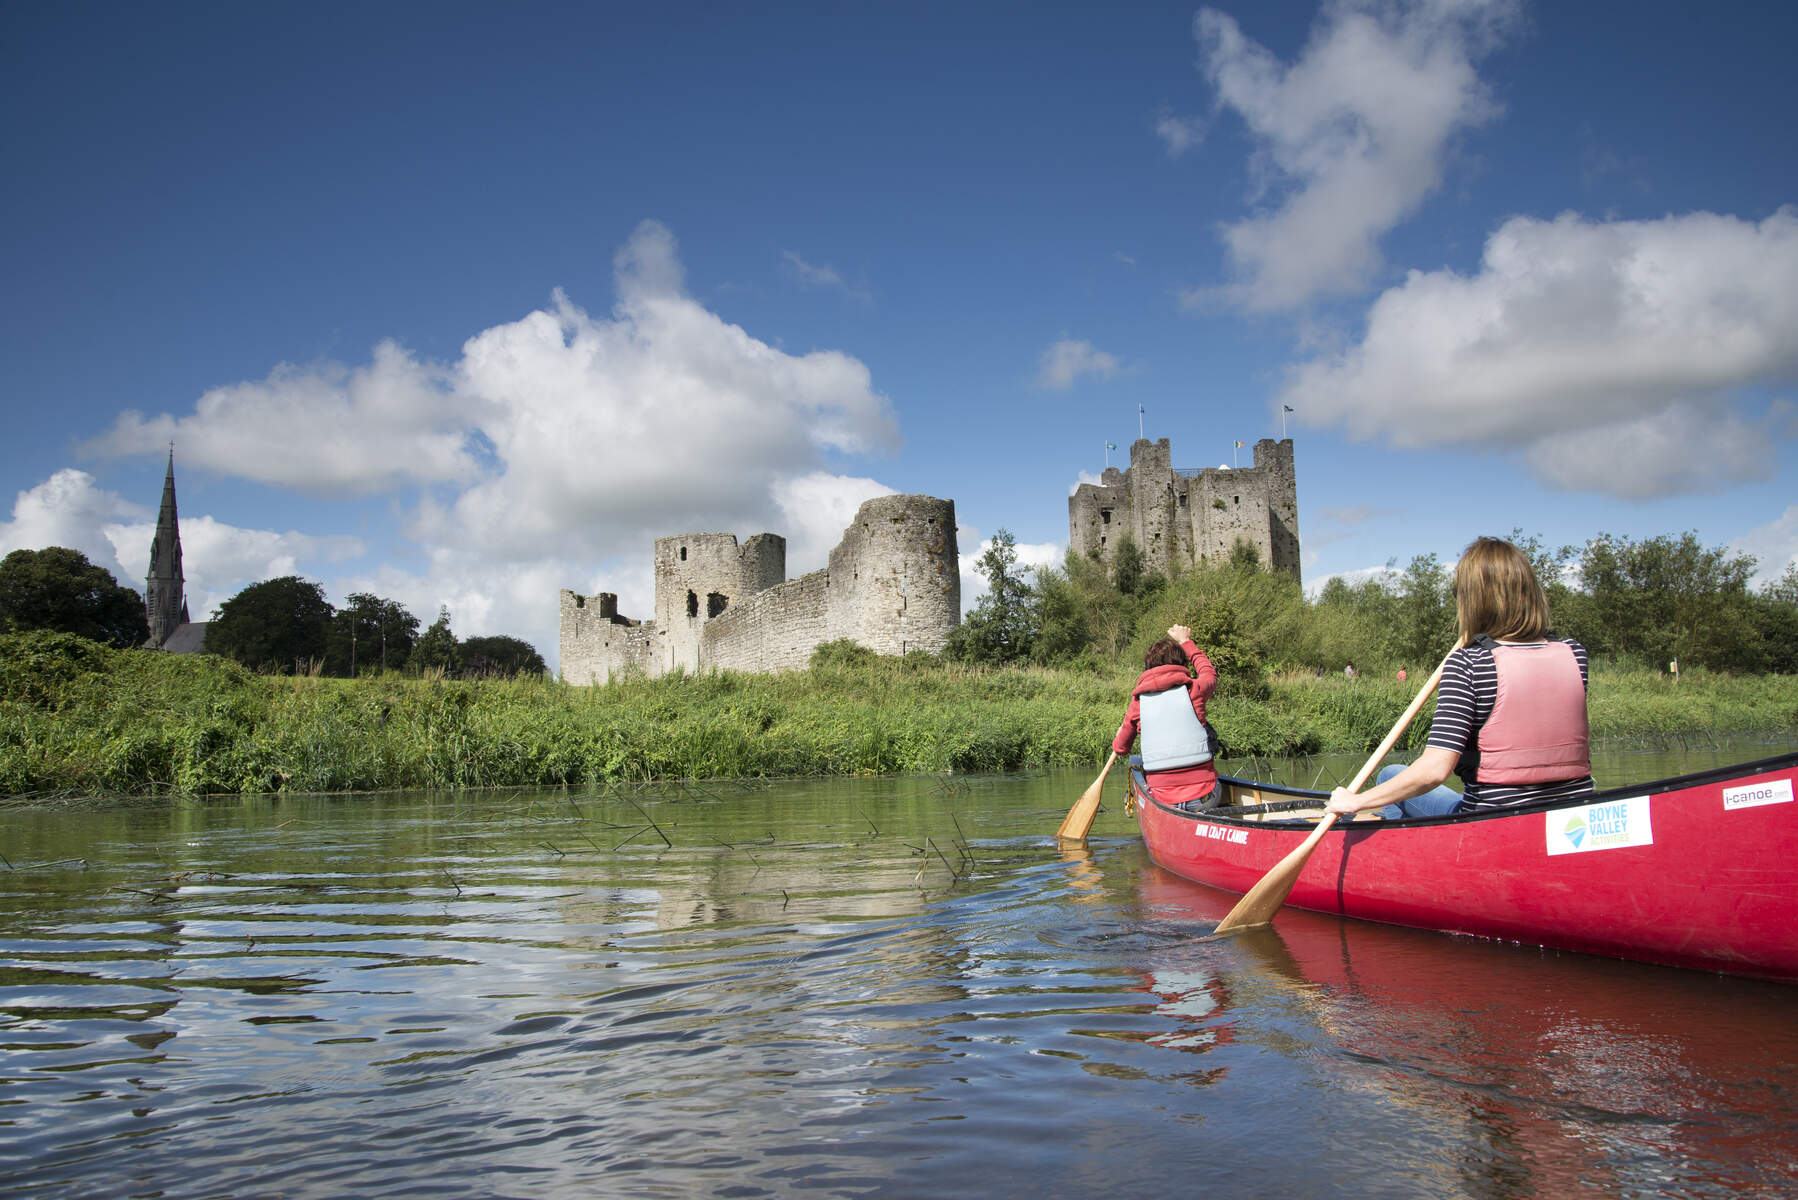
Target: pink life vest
<point x="1537" y="732"/>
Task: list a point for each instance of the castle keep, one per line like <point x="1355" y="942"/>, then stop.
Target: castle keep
<point x="893" y="585"/>
<point x="1191" y="516"/>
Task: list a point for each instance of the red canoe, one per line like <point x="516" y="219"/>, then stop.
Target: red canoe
<point x="1699" y="871"/>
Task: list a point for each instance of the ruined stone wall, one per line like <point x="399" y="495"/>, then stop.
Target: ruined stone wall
<point x="1191" y="517"/>
<point x="893" y="584"/>
<point x="598" y="644"/>
<point x="775" y="630"/>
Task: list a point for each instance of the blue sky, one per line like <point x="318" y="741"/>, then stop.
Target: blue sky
<point x="463" y="304"/>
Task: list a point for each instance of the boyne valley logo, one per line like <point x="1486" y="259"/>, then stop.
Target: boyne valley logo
<point x="1607" y="826"/>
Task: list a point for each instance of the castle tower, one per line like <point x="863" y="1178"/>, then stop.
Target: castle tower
<point x="165" y="595"/>
<point x="1185" y="517"/>
<point x="699" y="576"/>
<point x="895" y="579"/>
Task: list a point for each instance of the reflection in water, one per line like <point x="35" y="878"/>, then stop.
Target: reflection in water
<point x="1564" y="1070"/>
<point x="894" y="987"/>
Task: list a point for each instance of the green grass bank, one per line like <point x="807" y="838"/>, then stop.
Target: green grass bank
<point x="76" y="717"/>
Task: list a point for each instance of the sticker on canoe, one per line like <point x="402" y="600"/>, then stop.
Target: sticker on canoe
<point x="1774" y="791"/>
<point x="1607" y="826"/>
<point x="1239" y="836"/>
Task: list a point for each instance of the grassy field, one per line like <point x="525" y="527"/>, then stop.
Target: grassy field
<point x="77" y="718"/>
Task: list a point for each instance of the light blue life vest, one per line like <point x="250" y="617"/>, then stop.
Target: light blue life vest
<point x="1172" y="734"/>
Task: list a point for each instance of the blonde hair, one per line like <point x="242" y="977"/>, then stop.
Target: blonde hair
<point x="1496" y="593"/>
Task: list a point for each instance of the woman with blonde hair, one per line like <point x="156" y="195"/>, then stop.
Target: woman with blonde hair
<point x="1511" y="708"/>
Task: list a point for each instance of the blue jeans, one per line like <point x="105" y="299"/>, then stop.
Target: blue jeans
<point x="1439" y="801"/>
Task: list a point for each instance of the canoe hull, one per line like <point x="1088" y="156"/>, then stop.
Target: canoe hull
<point x="1700" y="871"/>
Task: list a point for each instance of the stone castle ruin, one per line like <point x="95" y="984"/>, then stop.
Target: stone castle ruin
<point x="893" y="585"/>
<point x="1191" y="516"/>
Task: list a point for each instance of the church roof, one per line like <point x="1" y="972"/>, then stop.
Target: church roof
<point x="187" y="639"/>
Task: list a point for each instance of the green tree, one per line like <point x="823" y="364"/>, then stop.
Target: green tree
<point x="1784" y="590"/>
<point x="1664" y="598"/>
<point x="277" y="625"/>
<point x="498" y="654"/>
<point x="1255" y="617"/>
<point x="369" y="633"/>
<point x="58" y="589"/>
<point x="1353" y="622"/>
<point x="437" y="648"/>
<point x="1776" y="619"/>
<point x="1129" y="569"/>
<point x="1245" y="555"/>
<point x="1062" y="632"/>
<point x="1003" y="625"/>
<point x="1426" y="611"/>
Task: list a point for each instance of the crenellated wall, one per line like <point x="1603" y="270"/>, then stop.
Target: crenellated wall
<point x="893" y="584"/>
<point x="1191" y="516"/>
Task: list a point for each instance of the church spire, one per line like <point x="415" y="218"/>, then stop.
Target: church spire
<point x="165" y="597"/>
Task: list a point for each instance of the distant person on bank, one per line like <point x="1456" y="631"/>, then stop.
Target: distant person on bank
<point x="1167" y="708"/>
<point x="1510" y="711"/>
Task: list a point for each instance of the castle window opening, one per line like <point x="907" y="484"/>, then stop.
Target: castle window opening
<point x="683" y="554"/>
<point x="1182" y="499"/>
<point x="1235" y="499"/>
<point x="715" y="603"/>
<point x="1105" y="515"/>
<point x="692" y="604"/>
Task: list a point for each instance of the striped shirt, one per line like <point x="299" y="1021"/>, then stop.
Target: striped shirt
<point x="1464" y="701"/>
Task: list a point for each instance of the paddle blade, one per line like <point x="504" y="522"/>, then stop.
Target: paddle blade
<point x="1079" y="820"/>
<point x="1259" y="904"/>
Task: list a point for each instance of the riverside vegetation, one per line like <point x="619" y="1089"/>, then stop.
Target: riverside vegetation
<point x="77" y="717"/>
<point x="1037" y="675"/>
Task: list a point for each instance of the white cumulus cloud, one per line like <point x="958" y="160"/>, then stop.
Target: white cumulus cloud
<point x="68" y="510"/>
<point x="1617" y="355"/>
<point x="1067" y="360"/>
<point x="1178" y="134"/>
<point x="1774" y="546"/>
<point x="325" y="428"/>
<point x="550" y="454"/>
<point x="1350" y="138"/>
<point x="220" y="560"/>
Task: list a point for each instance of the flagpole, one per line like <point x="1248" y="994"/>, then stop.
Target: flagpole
<point x="1283" y="411"/>
<point x="1139" y="433"/>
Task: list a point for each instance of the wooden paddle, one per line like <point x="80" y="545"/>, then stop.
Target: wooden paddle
<point x="1259" y="904"/>
<point x="1080" y="817"/>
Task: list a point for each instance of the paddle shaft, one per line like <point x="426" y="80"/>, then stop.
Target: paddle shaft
<point x="1259" y="904"/>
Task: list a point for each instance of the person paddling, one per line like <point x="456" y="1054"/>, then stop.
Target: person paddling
<point x="1167" y="707"/>
<point x="1511" y="709"/>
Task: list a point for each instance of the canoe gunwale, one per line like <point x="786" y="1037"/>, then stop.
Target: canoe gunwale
<point x="1139" y="784"/>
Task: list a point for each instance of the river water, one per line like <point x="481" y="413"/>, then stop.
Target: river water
<point x="878" y="987"/>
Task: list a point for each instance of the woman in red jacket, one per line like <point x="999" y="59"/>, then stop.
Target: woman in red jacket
<point x="1167" y="707"/>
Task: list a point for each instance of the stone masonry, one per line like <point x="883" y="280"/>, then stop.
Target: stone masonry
<point x="893" y="584"/>
<point x="1191" y="516"/>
